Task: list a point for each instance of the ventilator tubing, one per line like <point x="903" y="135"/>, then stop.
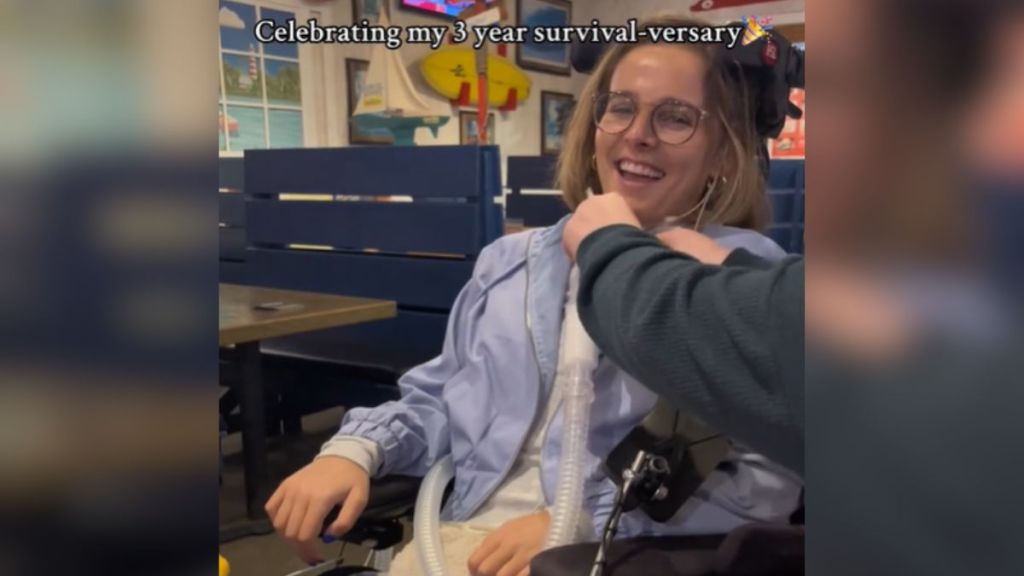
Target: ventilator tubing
<point x="427" y="520"/>
<point x="580" y="355"/>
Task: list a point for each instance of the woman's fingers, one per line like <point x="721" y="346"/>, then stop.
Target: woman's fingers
<point x="298" y="514"/>
<point x="274" y="502"/>
<point x="355" y="502"/>
<point x="481" y="553"/>
<point x="308" y="551"/>
<point x="314" y="520"/>
<point x="280" y="519"/>
<point x="514" y="565"/>
<point x="496" y="561"/>
<point x="298" y="508"/>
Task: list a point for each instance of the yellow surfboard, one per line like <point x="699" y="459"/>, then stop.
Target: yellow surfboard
<point x="448" y="68"/>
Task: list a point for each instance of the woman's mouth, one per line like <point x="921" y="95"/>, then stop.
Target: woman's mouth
<point x="638" y="173"/>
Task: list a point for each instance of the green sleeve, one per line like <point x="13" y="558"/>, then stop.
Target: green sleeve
<point x="725" y="343"/>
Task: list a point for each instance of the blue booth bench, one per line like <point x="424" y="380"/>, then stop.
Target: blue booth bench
<point x="418" y="253"/>
<point x="232" y="220"/>
<point x="785" y="191"/>
<point x="533" y="173"/>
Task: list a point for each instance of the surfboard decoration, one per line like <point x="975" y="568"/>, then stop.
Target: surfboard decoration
<point x="451" y="72"/>
<point x="389" y="99"/>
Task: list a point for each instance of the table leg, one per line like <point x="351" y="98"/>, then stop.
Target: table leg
<point x="249" y="390"/>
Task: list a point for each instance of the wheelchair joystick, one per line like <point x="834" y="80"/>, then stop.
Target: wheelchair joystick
<point x="657" y="467"/>
<point x="643" y="481"/>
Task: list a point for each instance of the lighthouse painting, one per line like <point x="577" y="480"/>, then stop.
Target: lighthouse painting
<point x="261" y="85"/>
<point x="251" y="76"/>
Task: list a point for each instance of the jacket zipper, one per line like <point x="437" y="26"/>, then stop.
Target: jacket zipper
<point x="540" y="379"/>
<point x="540" y="411"/>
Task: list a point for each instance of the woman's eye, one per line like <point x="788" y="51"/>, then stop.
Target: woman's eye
<point x="676" y="117"/>
<point x="621" y="108"/>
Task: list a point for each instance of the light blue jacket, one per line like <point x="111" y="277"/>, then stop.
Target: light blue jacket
<point x="479" y="398"/>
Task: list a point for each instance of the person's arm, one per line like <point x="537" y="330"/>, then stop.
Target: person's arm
<point x="411" y="434"/>
<point x="725" y="342"/>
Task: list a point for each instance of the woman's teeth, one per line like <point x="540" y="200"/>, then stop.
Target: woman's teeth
<point x="637" y="169"/>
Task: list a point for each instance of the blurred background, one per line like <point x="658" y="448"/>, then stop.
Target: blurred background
<point x="915" y="243"/>
<point x="108" y="287"/>
<point x="915" y="213"/>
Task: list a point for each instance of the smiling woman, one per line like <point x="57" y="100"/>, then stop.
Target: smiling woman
<point x="494" y="400"/>
<point x="666" y="127"/>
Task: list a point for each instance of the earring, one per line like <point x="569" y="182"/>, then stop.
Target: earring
<point x="593" y="162"/>
<point x="708" y="191"/>
<point x="711" y="186"/>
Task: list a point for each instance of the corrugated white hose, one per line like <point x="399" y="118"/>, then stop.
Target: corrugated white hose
<point x="427" y="520"/>
<point x="580" y="355"/>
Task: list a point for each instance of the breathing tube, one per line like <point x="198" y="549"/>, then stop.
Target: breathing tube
<point x="579" y="355"/>
<point x="427" y="517"/>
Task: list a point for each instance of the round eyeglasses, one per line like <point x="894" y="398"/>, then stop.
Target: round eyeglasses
<point x="674" y="122"/>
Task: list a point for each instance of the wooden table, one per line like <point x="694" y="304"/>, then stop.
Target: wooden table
<point x="248" y="315"/>
<point x="241" y="320"/>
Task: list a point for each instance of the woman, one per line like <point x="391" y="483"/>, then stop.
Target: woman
<point x="661" y="126"/>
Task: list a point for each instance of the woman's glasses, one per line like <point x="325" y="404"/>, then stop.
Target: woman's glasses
<point x="673" y="122"/>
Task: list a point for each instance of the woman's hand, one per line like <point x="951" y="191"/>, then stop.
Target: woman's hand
<point x="508" y="550"/>
<point x="298" y="507"/>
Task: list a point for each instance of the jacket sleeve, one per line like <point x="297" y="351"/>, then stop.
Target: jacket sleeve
<point x="413" y="432"/>
<point x="724" y="342"/>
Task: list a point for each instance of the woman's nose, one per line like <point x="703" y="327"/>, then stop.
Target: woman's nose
<point x="640" y="132"/>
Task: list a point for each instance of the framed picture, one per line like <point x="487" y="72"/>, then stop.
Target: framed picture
<point x="355" y="77"/>
<point x="447" y="9"/>
<point x="469" y="132"/>
<point x="555" y="111"/>
<point x="791" y="142"/>
<point x="549" y="57"/>
<point x="368" y="10"/>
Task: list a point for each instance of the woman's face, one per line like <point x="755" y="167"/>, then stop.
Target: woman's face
<point x="658" y="180"/>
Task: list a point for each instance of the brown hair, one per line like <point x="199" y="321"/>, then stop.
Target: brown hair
<point x="739" y="200"/>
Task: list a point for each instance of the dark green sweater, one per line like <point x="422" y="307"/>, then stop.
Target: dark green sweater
<point x="725" y="343"/>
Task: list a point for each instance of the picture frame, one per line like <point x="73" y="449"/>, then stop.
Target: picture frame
<point x="366" y="9"/>
<point x="424" y="9"/>
<point x="792" y="140"/>
<point x="550" y="58"/>
<point x="355" y="74"/>
<point x="556" y="110"/>
<point x="468" y="133"/>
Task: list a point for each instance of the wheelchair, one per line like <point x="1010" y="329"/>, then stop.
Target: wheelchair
<point x="750" y="550"/>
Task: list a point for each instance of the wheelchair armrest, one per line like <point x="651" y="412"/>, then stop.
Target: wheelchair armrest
<point x="750" y="550"/>
<point x="391" y="497"/>
<point x="676" y="555"/>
